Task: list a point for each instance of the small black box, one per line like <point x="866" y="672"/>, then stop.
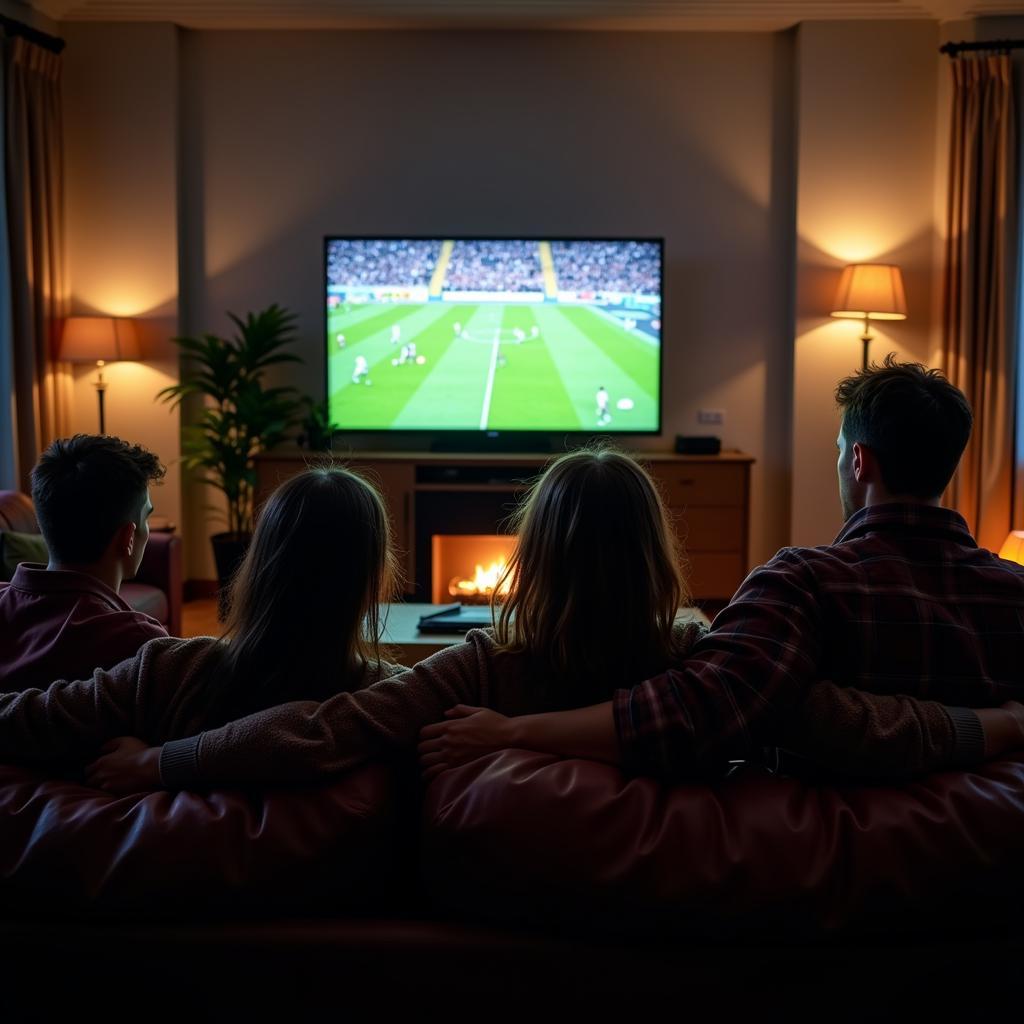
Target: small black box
<point x="698" y="445"/>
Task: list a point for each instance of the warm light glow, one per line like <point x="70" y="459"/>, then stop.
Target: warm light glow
<point x="484" y="582"/>
<point x="872" y="290"/>
<point x="1013" y="547"/>
<point x="91" y="339"/>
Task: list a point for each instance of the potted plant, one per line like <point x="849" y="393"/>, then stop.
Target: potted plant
<point x="241" y="417"/>
<point x="317" y="429"/>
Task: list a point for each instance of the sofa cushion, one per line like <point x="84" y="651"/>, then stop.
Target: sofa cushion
<point x="67" y="848"/>
<point x="141" y="597"/>
<point x="16" y="512"/>
<point x="520" y="837"/>
<point x="18" y="547"/>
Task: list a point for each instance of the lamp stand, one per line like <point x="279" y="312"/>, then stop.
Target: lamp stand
<point x="866" y="338"/>
<point x="101" y="386"/>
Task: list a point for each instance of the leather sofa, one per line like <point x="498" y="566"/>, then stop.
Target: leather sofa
<point x="525" y="874"/>
<point x="156" y="590"/>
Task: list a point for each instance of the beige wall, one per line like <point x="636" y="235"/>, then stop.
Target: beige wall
<point x="866" y="155"/>
<point x="120" y="114"/>
<point x="512" y="133"/>
<point x="729" y="145"/>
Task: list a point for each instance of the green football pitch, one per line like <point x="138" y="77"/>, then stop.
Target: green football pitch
<point x="488" y="366"/>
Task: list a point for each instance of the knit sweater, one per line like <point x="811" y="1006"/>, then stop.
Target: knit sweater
<point x="160" y="694"/>
<point x="303" y="741"/>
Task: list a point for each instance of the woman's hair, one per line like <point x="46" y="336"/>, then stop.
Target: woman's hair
<point x="594" y="581"/>
<point x="303" y="618"/>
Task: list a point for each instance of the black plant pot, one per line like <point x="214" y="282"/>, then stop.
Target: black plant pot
<point x="228" y="551"/>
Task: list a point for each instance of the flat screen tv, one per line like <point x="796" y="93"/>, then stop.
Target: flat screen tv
<point x="497" y="335"/>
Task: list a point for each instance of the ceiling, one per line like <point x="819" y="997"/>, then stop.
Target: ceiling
<point x="691" y="15"/>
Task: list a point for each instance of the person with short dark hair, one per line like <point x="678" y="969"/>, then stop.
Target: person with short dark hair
<point x="65" y="619"/>
<point x="903" y="604"/>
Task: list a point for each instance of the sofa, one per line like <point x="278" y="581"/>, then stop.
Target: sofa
<point x="156" y="590"/>
<point x="521" y="874"/>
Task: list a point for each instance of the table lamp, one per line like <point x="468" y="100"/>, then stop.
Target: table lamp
<point x="99" y="340"/>
<point x="870" y="291"/>
<point x="1013" y="547"/>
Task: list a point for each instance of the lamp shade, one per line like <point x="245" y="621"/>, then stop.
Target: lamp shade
<point x="1013" y="547"/>
<point x="872" y="290"/>
<point x="87" y="339"/>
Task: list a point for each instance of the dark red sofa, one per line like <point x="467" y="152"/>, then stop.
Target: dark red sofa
<point x="156" y="590"/>
<point x="521" y="874"/>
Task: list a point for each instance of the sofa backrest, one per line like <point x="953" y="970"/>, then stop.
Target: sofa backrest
<point x="525" y="838"/>
<point x="16" y="513"/>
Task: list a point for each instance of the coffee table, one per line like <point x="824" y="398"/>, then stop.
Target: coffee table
<point x="409" y="645"/>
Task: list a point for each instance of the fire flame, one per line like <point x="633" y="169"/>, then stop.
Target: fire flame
<point x="483" y="583"/>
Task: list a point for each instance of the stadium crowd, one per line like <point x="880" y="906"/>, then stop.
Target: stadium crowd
<point x="494" y="266"/>
<point x="628" y="267"/>
<point x="399" y="262"/>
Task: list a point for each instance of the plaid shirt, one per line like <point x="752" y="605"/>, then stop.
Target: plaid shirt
<point x="903" y="602"/>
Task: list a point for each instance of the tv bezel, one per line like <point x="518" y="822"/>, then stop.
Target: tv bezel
<point x="451" y="432"/>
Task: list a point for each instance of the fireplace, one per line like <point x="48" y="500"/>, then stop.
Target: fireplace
<point x="467" y="567"/>
<point x="454" y="534"/>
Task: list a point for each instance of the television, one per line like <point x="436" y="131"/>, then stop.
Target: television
<point x="494" y="335"/>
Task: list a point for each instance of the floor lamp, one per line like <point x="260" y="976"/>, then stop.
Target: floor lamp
<point x="870" y="291"/>
<point x="99" y="340"/>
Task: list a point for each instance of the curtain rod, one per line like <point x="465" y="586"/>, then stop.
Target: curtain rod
<point x="18" y="28"/>
<point x="955" y="49"/>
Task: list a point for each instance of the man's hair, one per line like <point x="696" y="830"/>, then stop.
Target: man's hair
<point x="912" y="418"/>
<point x="85" y="488"/>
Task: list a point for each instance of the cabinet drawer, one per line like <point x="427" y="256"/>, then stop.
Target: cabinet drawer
<point x="711" y="528"/>
<point x="714" y="575"/>
<point x="695" y="484"/>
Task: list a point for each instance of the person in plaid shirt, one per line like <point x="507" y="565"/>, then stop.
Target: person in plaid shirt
<point x="902" y="604"/>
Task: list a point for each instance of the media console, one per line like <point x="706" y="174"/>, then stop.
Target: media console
<point x="432" y="492"/>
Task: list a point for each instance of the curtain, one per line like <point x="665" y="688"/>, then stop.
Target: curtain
<point x="34" y="202"/>
<point x="8" y="461"/>
<point x="979" y="289"/>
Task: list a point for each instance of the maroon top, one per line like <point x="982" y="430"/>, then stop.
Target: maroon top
<point x="903" y="602"/>
<point x="57" y="624"/>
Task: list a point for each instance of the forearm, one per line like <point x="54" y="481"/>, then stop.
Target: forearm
<point x="868" y="734"/>
<point x="305" y="741"/>
<point x="583" y="732"/>
<point x="1003" y="728"/>
<point x="67" y="718"/>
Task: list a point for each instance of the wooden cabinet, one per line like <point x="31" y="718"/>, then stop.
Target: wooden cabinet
<point x="708" y="497"/>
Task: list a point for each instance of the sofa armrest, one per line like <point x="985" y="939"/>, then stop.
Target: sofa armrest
<point x="162" y="568"/>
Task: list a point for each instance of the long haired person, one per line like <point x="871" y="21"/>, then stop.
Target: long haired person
<point x="304" y="623"/>
<point x="594" y="589"/>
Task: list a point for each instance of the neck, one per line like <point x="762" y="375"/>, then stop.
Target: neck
<point x="111" y="575"/>
<point x="876" y="495"/>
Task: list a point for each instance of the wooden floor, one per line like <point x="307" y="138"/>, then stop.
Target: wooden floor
<point x="199" y="618"/>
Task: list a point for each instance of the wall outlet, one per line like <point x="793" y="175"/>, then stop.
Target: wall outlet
<point x="711" y="416"/>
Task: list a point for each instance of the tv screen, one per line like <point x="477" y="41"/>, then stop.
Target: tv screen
<point x="496" y="335"/>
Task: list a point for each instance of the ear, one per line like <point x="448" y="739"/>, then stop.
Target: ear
<point x="864" y="465"/>
<point x="126" y="538"/>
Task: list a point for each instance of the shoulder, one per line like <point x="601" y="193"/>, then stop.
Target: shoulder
<point x="168" y="653"/>
<point x="685" y="633"/>
<point x="383" y="670"/>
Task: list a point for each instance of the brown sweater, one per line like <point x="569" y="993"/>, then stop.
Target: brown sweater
<point x="160" y="694"/>
<point x="304" y="741"/>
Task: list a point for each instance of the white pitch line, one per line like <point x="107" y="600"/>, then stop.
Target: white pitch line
<point x="485" y="412"/>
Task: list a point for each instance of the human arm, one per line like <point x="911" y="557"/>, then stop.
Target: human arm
<point x="469" y="733"/>
<point x="70" y="717"/>
<point x="303" y="741"/>
<point x="866" y="734"/>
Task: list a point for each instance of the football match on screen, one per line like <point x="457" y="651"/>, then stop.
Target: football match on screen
<point x="494" y="335"/>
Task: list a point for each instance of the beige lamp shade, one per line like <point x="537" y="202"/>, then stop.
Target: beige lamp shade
<point x="88" y="339"/>
<point x="1013" y="547"/>
<point x="871" y="290"/>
